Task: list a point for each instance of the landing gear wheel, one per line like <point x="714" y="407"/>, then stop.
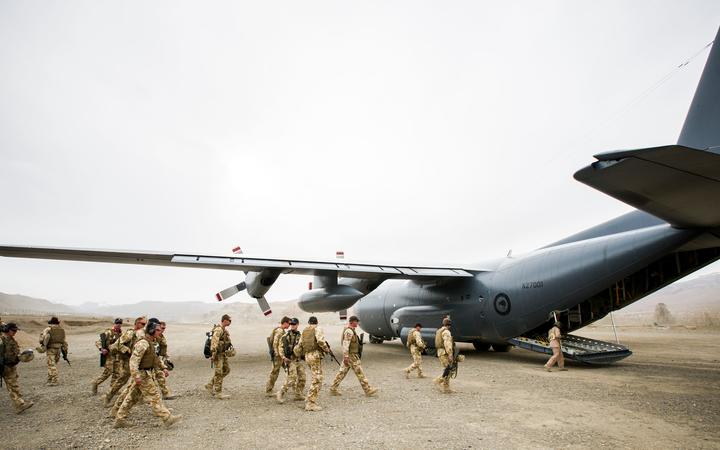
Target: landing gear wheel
<point x="481" y="346"/>
<point x="376" y="340"/>
<point x="502" y="348"/>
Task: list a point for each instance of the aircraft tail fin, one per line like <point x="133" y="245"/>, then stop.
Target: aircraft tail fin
<point x="701" y="128"/>
<point x="678" y="184"/>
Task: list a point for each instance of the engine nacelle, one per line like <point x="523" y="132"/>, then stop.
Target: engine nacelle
<point x="329" y="299"/>
<point x="258" y="283"/>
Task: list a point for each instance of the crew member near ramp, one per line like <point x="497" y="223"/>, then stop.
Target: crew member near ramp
<point x="445" y="345"/>
<point x="111" y="368"/>
<point x="143" y="363"/>
<point x="53" y="339"/>
<point x="416" y="345"/>
<point x="557" y="356"/>
<point x="277" y="358"/>
<point x="313" y="346"/>
<point x="221" y="348"/>
<point x="9" y="359"/>
<point x="351" y="359"/>
<point x="296" y="369"/>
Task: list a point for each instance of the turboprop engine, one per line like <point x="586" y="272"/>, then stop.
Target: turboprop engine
<point x="257" y="285"/>
<point x="328" y="295"/>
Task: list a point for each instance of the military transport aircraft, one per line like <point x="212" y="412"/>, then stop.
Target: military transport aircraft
<point x="511" y="301"/>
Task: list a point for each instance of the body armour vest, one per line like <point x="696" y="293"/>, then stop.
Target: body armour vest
<point x="309" y="342"/>
<point x="149" y="358"/>
<point x="57" y="336"/>
<point x="411" y="339"/>
<point x="10" y="355"/>
<point x="290" y="341"/>
<point x="112" y="337"/>
<point x="439" y="340"/>
<point x="354" y="341"/>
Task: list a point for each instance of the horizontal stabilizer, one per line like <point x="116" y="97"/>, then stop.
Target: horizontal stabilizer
<point x="680" y="185"/>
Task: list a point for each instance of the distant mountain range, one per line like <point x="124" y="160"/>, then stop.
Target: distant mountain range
<point x="701" y="294"/>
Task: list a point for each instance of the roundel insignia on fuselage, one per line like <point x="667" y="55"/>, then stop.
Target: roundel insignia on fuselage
<point x="502" y="304"/>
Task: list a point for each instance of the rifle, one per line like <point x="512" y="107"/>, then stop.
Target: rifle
<point x="271" y="350"/>
<point x="360" y="345"/>
<point x="332" y="355"/>
<point x="64" y="355"/>
<point x="103" y="345"/>
<point x="452" y="369"/>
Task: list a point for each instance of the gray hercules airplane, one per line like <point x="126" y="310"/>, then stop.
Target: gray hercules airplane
<point x="512" y="300"/>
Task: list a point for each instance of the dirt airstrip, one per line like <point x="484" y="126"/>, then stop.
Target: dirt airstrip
<point x="664" y="396"/>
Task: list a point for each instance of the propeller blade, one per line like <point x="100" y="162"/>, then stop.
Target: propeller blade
<point x="264" y="306"/>
<point x="343" y="314"/>
<point x="229" y="292"/>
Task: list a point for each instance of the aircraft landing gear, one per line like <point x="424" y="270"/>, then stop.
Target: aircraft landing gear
<point x="376" y="339"/>
<point x="481" y="346"/>
<point x="502" y="348"/>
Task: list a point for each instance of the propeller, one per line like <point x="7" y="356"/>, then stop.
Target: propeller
<point x="251" y="278"/>
<point x="229" y="292"/>
<point x="343" y="314"/>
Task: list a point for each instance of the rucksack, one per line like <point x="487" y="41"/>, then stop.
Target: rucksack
<point x="206" y="350"/>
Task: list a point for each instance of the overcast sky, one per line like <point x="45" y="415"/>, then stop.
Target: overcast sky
<point x="397" y="131"/>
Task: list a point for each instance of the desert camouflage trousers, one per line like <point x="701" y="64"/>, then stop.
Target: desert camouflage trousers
<point x="277" y="365"/>
<point x="314" y="362"/>
<point x="354" y="364"/>
<point x="146" y="391"/>
<point x="296" y="378"/>
<point x="123" y="375"/>
<point x="222" y="369"/>
<point x="110" y="370"/>
<point x="10" y="378"/>
<point x="444" y="382"/>
<point x="417" y="360"/>
<point x="162" y="382"/>
<point x="557" y="357"/>
<point x="53" y="356"/>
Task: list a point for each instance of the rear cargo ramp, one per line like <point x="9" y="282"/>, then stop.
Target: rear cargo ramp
<point x="576" y="348"/>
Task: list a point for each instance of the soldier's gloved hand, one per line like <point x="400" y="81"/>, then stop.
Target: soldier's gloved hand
<point x="104" y="351"/>
<point x="346" y="360"/>
<point x="286" y="360"/>
<point x="166" y="373"/>
<point x="138" y="380"/>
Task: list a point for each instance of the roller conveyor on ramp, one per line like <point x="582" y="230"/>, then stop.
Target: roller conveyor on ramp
<point x="576" y="348"/>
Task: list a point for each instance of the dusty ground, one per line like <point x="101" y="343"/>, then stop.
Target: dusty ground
<point x="664" y="396"/>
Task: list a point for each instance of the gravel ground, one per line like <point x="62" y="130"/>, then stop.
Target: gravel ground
<point x="664" y="396"/>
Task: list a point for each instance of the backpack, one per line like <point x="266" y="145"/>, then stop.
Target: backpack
<point x="208" y="341"/>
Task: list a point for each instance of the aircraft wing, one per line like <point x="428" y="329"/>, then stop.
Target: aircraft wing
<point x="241" y="263"/>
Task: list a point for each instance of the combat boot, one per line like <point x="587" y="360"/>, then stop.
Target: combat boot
<point x="420" y="375"/>
<point x="313" y="407"/>
<point x="24" y="406"/>
<point x="407" y="374"/>
<point x="209" y="388"/>
<point x="299" y="397"/>
<point x="335" y="392"/>
<point x="172" y="420"/>
<point x="120" y="423"/>
<point x="221" y="396"/>
<point x="93" y="388"/>
<point x="169" y="397"/>
<point x="279" y="397"/>
<point x="107" y="401"/>
<point x="371" y="392"/>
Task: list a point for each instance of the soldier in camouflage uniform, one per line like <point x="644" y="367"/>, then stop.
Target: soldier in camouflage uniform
<point x="53" y="339"/>
<point x="277" y="358"/>
<point x="220" y="343"/>
<point x="143" y="365"/>
<point x="416" y="345"/>
<point x="162" y="353"/>
<point x="313" y="346"/>
<point x="351" y="359"/>
<point x="111" y="368"/>
<point x="123" y="348"/>
<point x="9" y="359"/>
<point x="296" y="369"/>
<point x="445" y="346"/>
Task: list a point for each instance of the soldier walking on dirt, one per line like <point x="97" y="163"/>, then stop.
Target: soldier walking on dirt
<point x="162" y="348"/>
<point x="123" y="348"/>
<point x="275" y="355"/>
<point x="557" y="356"/>
<point x="221" y="348"/>
<point x="445" y="346"/>
<point x="143" y="365"/>
<point x="351" y="360"/>
<point x="416" y="345"/>
<point x="108" y="357"/>
<point x="296" y="369"/>
<point x="313" y="346"/>
<point x="53" y="340"/>
<point x="9" y="359"/>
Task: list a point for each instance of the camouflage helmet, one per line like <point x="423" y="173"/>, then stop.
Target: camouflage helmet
<point x="26" y="355"/>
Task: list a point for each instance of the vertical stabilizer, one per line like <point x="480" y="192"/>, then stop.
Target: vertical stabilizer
<point x="702" y="124"/>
